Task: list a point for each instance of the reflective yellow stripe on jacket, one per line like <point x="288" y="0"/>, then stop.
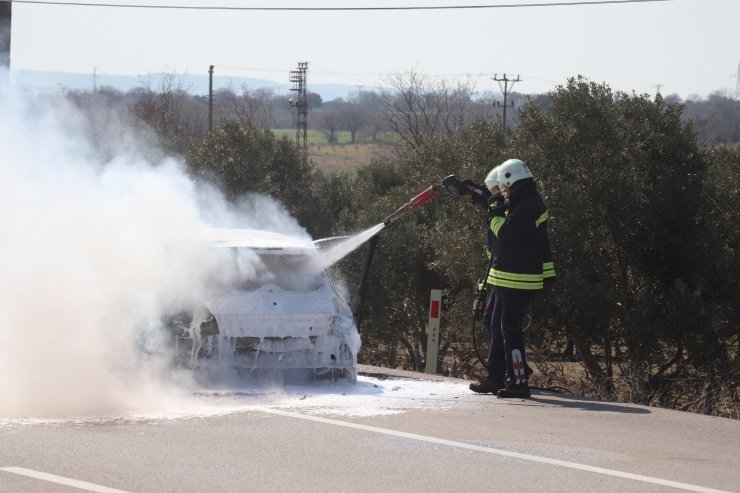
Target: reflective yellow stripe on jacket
<point x="496" y="224"/>
<point x="548" y="270"/>
<point x="498" y="221"/>
<point x="543" y="217"/>
<point x="515" y="281"/>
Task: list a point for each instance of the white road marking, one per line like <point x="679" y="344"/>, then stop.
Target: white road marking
<point x="501" y="452"/>
<point x="52" y="478"/>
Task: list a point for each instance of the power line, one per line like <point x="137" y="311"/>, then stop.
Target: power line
<point x="426" y="7"/>
<point x="505" y="91"/>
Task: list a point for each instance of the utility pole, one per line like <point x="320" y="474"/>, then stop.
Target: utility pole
<point x="737" y="83"/>
<point x="298" y="78"/>
<point x="210" y="98"/>
<point x="657" y="88"/>
<point x="505" y="90"/>
<point x="6" y="10"/>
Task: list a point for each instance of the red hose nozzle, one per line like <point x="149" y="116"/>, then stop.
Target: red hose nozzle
<point x="425" y="196"/>
<point x="414" y="203"/>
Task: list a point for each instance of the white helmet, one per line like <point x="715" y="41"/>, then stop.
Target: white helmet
<point x="511" y="171"/>
<point x="492" y="179"/>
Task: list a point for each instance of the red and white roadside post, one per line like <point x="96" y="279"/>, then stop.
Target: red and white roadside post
<point x="435" y="302"/>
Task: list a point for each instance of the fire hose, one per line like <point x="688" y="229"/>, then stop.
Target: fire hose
<point x="415" y="202"/>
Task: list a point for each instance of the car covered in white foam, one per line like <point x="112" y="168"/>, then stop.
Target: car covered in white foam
<point x="267" y="306"/>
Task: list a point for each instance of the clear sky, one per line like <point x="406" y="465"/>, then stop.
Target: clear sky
<point x="689" y="47"/>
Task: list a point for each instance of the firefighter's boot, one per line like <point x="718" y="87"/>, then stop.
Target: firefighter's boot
<point x="514" y="391"/>
<point x="487" y="386"/>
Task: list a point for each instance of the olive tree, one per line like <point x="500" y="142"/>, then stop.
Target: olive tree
<point x="243" y="158"/>
<point x="623" y="176"/>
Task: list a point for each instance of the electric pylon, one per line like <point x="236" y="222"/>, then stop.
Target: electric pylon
<point x="300" y="103"/>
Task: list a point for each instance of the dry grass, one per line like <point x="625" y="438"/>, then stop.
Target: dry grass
<point x="568" y="375"/>
<point x="702" y="397"/>
<point x="345" y="156"/>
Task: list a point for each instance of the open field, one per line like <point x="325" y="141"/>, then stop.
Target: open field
<point x="344" y="157"/>
<point x="343" y="137"/>
<point x="314" y="136"/>
<point x="343" y="154"/>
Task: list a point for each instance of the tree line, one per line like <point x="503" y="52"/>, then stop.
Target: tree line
<point x="643" y="211"/>
<point x="165" y="103"/>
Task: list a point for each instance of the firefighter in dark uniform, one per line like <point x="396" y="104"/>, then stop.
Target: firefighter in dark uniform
<point x="492" y="193"/>
<point x="521" y="264"/>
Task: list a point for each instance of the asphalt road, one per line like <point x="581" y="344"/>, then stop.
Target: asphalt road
<point x="387" y="434"/>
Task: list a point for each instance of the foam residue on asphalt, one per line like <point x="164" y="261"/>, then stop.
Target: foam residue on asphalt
<point x="369" y="396"/>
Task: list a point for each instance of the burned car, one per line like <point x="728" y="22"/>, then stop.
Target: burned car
<point x="266" y="307"/>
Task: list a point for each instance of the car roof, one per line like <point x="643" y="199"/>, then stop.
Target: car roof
<point x="254" y="239"/>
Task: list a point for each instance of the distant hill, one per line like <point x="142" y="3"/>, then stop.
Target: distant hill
<point x="196" y="84"/>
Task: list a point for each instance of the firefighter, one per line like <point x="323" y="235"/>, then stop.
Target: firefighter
<point x="493" y="382"/>
<point x="481" y="196"/>
<point x="491" y="182"/>
<point x="521" y="263"/>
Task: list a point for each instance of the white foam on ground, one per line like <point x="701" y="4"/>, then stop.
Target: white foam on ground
<point x="370" y="396"/>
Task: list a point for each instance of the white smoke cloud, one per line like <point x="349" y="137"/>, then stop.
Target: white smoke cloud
<point x="86" y="268"/>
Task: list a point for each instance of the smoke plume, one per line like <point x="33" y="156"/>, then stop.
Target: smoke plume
<point x="87" y="268"/>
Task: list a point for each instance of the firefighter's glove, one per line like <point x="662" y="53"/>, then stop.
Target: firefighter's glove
<point x="478" y="193"/>
<point x="497" y="205"/>
<point x="460" y="186"/>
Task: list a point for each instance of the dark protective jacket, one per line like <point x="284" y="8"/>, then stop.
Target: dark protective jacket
<point x="520" y="243"/>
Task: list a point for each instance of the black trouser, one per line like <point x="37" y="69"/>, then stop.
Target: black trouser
<point x="506" y="356"/>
